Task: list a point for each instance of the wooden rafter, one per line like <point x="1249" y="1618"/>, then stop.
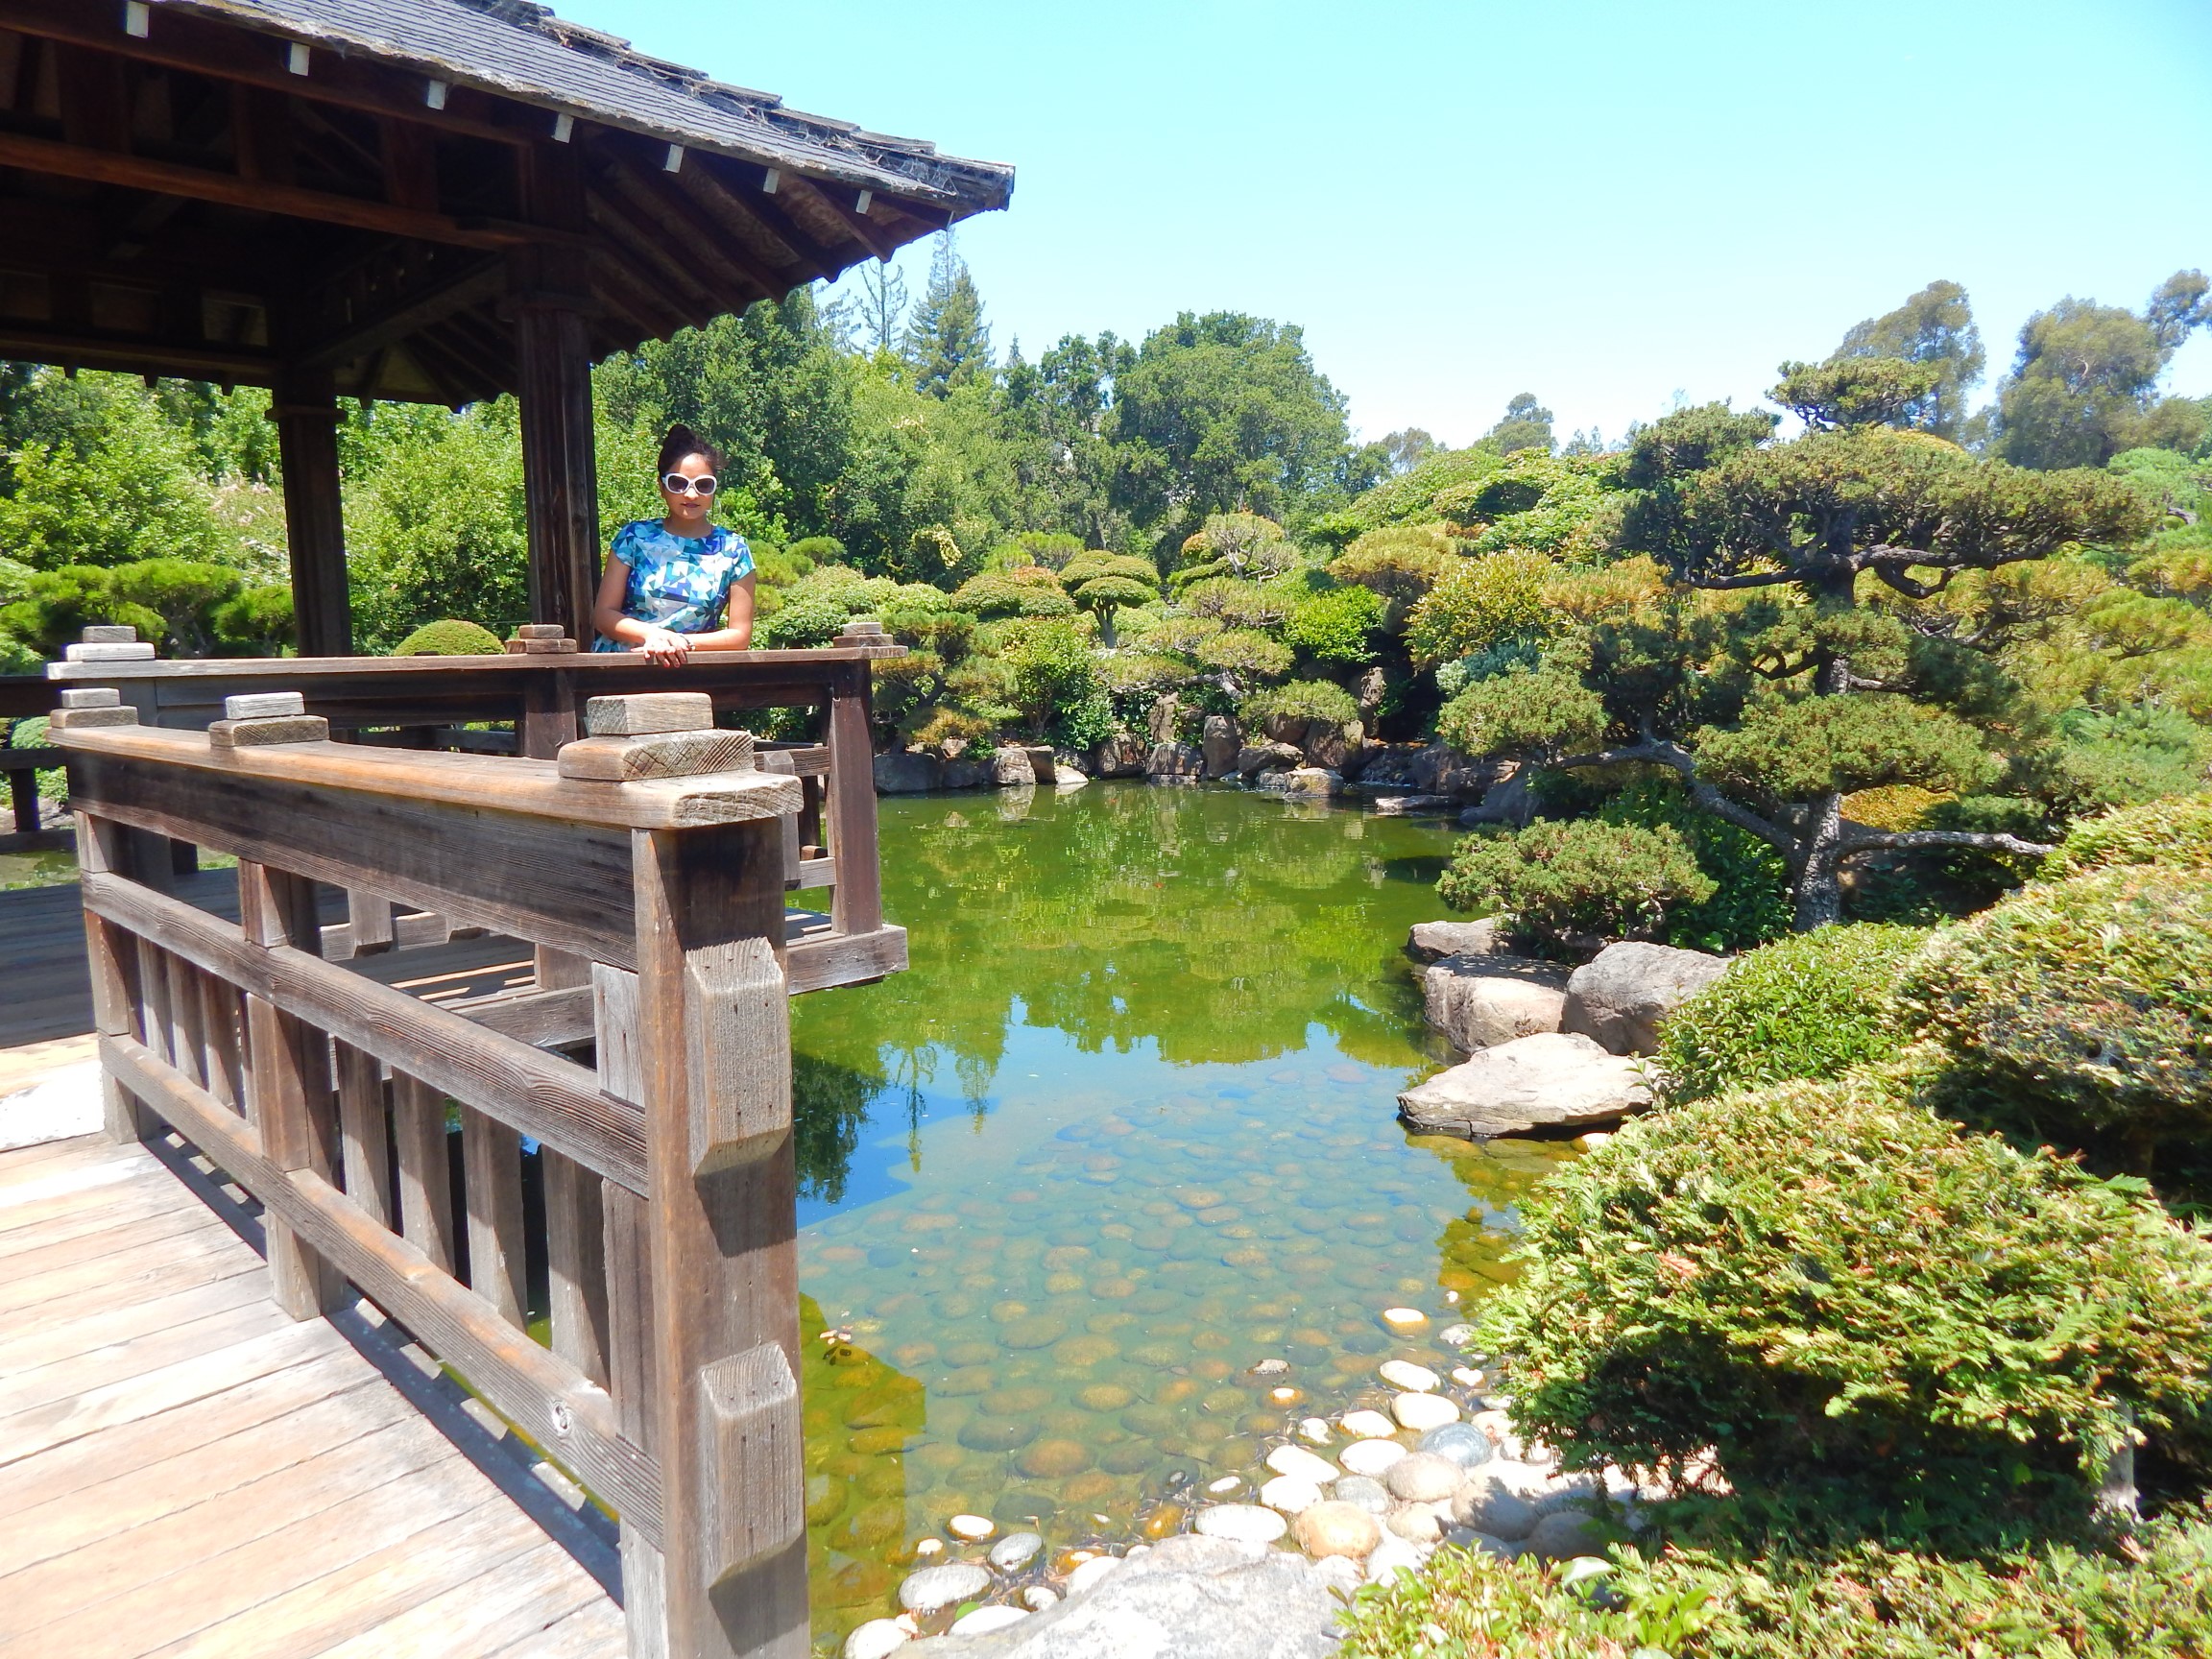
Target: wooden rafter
<point x="409" y="313"/>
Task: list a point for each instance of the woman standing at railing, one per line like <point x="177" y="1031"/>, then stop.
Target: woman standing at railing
<point x="669" y="579"/>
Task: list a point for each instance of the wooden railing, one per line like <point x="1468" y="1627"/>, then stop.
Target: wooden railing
<point x="668" y="1386"/>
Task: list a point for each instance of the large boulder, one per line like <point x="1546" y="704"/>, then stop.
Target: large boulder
<point x="1480" y="1001"/>
<point x="1506" y="800"/>
<point x="964" y="772"/>
<point x="1254" y="758"/>
<point x="1010" y="769"/>
<point x="1331" y="746"/>
<point x="1555" y="1080"/>
<point x="1041" y="767"/>
<point x="1433" y="941"/>
<point x="1220" y="746"/>
<point x="1187" y="1595"/>
<point x="1176" y="763"/>
<point x="1161" y="723"/>
<point x="1442" y="770"/>
<point x="905" y="772"/>
<point x="1304" y="782"/>
<point x="1121" y="756"/>
<point x="1623" y="995"/>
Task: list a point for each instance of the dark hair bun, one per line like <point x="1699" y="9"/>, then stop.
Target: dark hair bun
<point x="681" y="441"/>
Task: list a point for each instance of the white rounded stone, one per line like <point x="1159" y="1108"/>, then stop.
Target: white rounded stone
<point x="1404" y="1374"/>
<point x="1404" y="1318"/>
<point x="1246" y="1522"/>
<point x="1090" y="1572"/>
<point x="1367" y="1424"/>
<point x="1290" y="1494"/>
<point x="1467" y="1377"/>
<point x="1392" y="1556"/>
<point x="1037" y="1598"/>
<point x="1226" y="1484"/>
<point x="1316" y="1431"/>
<point x="975" y="1529"/>
<point x="1301" y="1464"/>
<point x="946" y="1586"/>
<point x="1371" y="1456"/>
<point x="1456" y="1335"/>
<point x="874" y="1640"/>
<point x="985" y="1620"/>
<point x="1422" y="1412"/>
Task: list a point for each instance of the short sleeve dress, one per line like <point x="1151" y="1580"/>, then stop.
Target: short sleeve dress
<point x="680" y="583"/>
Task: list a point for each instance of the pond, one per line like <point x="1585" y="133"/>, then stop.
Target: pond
<point x="1122" y="1134"/>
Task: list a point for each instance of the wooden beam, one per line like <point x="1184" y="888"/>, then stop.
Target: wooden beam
<point x="59" y="160"/>
<point x="644" y="233"/>
<point x="407" y="315"/>
<point x="870" y="234"/>
<point x="753" y="199"/>
<point x="26" y="343"/>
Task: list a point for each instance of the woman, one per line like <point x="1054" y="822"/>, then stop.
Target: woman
<point x="669" y="579"/>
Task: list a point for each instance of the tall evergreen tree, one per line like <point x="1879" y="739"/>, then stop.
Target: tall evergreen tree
<point x="2084" y="385"/>
<point x="1933" y="328"/>
<point x="947" y="341"/>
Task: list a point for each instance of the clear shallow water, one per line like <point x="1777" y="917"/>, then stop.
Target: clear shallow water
<point x="1123" y="1131"/>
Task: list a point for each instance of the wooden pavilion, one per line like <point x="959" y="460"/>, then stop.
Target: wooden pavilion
<point x="426" y="201"/>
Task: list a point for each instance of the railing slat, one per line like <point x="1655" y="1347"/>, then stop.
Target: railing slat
<point x="363" y="1120"/>
<point x="425" y="1176"/>
<point x="576" y="1262"/>
<point x="491" y="1178"/>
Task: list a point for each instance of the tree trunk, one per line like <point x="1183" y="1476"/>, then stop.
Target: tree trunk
<point x="1820" y="886"/>
<point x="1106" y="627"/>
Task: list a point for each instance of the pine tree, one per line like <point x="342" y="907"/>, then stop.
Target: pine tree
<point x="948" y="343"/>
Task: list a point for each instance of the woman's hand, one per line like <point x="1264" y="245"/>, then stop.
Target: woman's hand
<point x="666" y="647"/>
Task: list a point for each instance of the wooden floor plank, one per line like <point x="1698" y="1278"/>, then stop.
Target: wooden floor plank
<point x="63" y="1285"/>
<point x="223" y="1586"/>
<point x="134" y="1205"/>
<point x="119" y="1300"/>
<point x="41" y="1342"/>
<point x="593" y="1631"/>
<point x="522" y="1598"/>
<point x="124" y="1233"/>
<point x="145" y="1492"/>
<point x="364" y="1594"/>
<point x="120" y="1362"/>
<point x="249" y="1406"/>
<point x="57" y="1425"/>
<point x="22" y="1158"/>
<point x="230" y="1525"/>
<point x="49" y="1188"/>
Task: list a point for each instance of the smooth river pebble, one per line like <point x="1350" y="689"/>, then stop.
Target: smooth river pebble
<point x="985" y="1620"/>
<point x="1404" y="1374"/>
<point x="935" y="1587"/>
<point x="1291" y="1493"/>
<point x="1421" y="1413"/>
<point x="1016" y="1551"/>
<point x="1301" y="1464"/>
<point x="1246" y="1522"/>
<point x="874" y="1640"/>
<point x="973" y="1528"/>
<point x="1368" y="1424"/>
<point x="1090" y="1572"/>
<point x="1371" y="1456"/>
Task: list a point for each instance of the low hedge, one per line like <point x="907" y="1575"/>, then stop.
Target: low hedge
<point x="1810" y="1005"/>
<point x="1564" y="879"/>
<point x="2150" y="1595"/>
<point x="1821" y="1281"/>
<point x="2091" y="998"/>
<point x="450" y="638"/>
<point x="2174" y="830"/>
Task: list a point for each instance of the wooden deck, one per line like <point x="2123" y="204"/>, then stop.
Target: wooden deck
<point x="187" y="1470"/>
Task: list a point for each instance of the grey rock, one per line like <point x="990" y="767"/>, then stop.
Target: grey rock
<point x="1480" y="1001"/>
<point x="1439" y="770"/>
<point x="1408" y="806"/>
<point x="1506" y="800"/>
<point x="1257" y="758"/>
<point x="1625" y="995"/>
<point x="1304" y="782"/>
<point x="1069" y="767"/>
<point x="1176" y="763"/>
<point x="1016" y="1551"/>
<point x="902" y="772"/>
<point x="875" y="1640"/>
<point x="1362" y="1492"/>
<point x="1288" y="730"/>
<point x="1041" y="765"/>
<point x="1424" y="1477"/>
<point x="1161" y="723"/>
<point x="1333" y="747"/>
<point x="934" y="1587"/>
<point x="1462" y="1442"/>
<point x="964" y="772"/>
<point x="1433" y="941"/>
<point x="1121" y="756"/>
<point x="1219" y="746"/>
<point x="1010" y="769"/>
<point x="1189" y="1595"/>
<point x="1491" y="1506"/>
<point x="1553" y="1080"/>
<point x="1566" y="1533"/>
<point x="1393" y="765"/>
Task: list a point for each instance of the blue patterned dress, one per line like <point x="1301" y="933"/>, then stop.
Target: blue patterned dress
<point x="680" y="583"/>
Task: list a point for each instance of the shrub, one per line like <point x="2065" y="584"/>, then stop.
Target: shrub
<point x="1235" y="604"/>
<point x="1545" y="711"/>
<point x="1245" y="650"/>
<point x="1750" y="902"/>
<point x="1813" y="1005"/>
<point x="805" y="619"/>
<point x="1025" y="591"/>
<point x="450" y="638"/>
<point x="1181" y="635"/>
<point x="2111" y="1598"/>
<point x="2175" y="831"/>
<point x="1564" y="879"/>
<point x="1053" y="674"/>
<point x="1333" y="626"/>
<point x="1399" y="564"/>
<point x="1819" y="1280"/>
<point x="1479" y="603"/>
<point x="1299" y="700"/>
<point x="2092" y="993"/>
<point x="817" y="550"/>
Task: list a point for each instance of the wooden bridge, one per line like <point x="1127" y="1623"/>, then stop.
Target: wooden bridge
<point x="378" y="1324"/>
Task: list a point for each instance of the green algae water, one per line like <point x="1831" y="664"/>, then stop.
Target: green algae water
<point x="1123" y="1133"/>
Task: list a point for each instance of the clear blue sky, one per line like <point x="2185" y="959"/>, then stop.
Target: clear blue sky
<point x="1602" y="202"/>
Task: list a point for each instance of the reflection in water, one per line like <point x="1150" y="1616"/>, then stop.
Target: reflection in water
<point x="1123" y="1132"/>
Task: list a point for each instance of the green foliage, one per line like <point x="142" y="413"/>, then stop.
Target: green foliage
<point x="1335" y="626"/>
<point x="1410" y="497"/>
<point x="1054" y="677"/>
<point x="1399" y="564"/>
<point x="1857" y="391"/>
<point x="2084" y="385"/>
<point x="1750" y="902"/>
<point x="1235" y="604"/>
<point x="2175" y="832"/>
<point x="1482" y="603"/>
<point x="1799" y="749"/>
<point x="1547" y="711"/>
<point x="1028" y="591"/>
<point x="1527" y="424"/>
<point x="187" y="607"/>
<point x="1299" y="700"/>
<point x="948" y="343"/>
<point x="1811" y="1005"/>
<point x="449" y="637"/>
<point x="1562" y="880"/>
<point x="1933" y="328"/>
<point x="2092" y="994"/>
<point x="436" y="529"/>
<point x="119" y="489"/>
<point x="1822" y="1282"/>
<point x="1245" y="652"/>
<point x="2119" y="756"/>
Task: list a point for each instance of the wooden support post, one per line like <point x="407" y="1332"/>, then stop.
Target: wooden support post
<point x="492" y="1173"/>
<point x="549" y="291"/>
<point x="426" y="1177"/>
<point x="714" y="1058"/>
<point x="305" y="411"/>
<point x="576" y="1264"/>
<point x="288" y="1070"/>
<point x="362" y="1119"/>
<point x="114" y="959"/>
<point x="23" y="796"/>
<point x="857" y="905"/>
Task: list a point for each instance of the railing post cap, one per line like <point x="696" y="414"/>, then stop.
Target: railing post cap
<point x="657" y="755"/>
<point x="108" y="650"/>
<point x="646" y="712"/>
<point x="110" y="634"/>
<point x="92" y="697"/>
<point x="264" y="705"/>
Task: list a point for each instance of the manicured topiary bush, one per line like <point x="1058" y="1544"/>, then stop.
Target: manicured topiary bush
<point x="2091" y="995"/>
<point x="1811" y="1005"/>
<point x="1299" y="700"/>
<point x="1826" y="1283"/>
<point x="2176" y="830"/>
<point x="450" y="639"/>
<point x="1565" y="878"/>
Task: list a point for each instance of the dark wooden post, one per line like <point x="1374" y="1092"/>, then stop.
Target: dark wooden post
<point x="548" y="295"/>
<point x="713" y="1061"/>
<point x="305" y="411"/>
<point x="102" y="849"/>
<point x="856" y="906"/>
